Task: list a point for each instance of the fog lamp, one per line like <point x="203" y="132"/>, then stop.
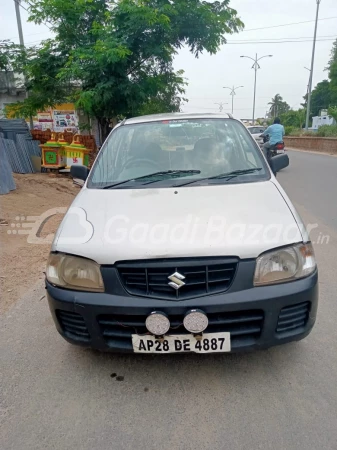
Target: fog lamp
<point x="157" y="323"/>
<point x="195" y="321"/>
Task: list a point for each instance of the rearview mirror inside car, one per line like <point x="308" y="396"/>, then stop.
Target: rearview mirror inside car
<point x="279" y="162"/>
<point x="79" y="171"/>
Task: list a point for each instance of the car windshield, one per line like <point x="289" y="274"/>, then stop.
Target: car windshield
<point x="172" y="152"/>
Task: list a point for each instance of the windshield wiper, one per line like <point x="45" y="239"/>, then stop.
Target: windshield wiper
<point x="235" y="173"/>
<point x="171" y="173"/>
<point x="227" y="175"/>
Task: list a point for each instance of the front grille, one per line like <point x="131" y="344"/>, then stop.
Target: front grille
<point x="73" y="325"/>
<point x="202" y="277"/>
<point x="293" y="317"/>
<point x="243" y="325"/>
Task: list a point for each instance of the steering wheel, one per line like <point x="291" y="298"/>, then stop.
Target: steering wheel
<point x="140" y="161"/>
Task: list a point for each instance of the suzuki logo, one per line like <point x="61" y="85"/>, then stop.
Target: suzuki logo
<point x="176" y="280"/>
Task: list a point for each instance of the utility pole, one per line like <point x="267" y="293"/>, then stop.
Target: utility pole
<point x="308" y="83"/>
<point x="307" y="91"/>
<point x="18" y="19"/>
<point x="312" y="67"/>
<point x="221" y="105"/>
<point x="255" y="66"/>
<point x="22" y="43"/>
<point x="233" y="89"/>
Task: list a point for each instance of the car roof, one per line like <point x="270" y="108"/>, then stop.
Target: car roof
<point x="176" y="116"/>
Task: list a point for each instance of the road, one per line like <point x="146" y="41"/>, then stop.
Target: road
<point x="56" y="396"/>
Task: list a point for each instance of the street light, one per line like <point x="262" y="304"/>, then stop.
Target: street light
<point x="221" y="104"/>
<point x="255" y="66"/>
<point x="312" y="67"/>
<point x="233" y="89"/>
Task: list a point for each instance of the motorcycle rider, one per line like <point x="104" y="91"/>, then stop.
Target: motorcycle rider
<point x="275" y="133"/>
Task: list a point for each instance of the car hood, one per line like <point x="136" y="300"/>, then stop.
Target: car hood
<point x="242" y="220"/>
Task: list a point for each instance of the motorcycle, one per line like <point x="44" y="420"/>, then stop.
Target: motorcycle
<point x="275" y="149"/>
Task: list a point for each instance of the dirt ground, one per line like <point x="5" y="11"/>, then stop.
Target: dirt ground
<point x="23" y="263"/>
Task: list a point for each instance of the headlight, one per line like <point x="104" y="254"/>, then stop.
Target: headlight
<point x="285" y="264"/>
<point x="73" y="272"/>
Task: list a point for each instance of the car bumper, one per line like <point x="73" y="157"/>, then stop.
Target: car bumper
<point x="259" y="317"/>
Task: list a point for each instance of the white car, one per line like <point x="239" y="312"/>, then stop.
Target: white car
<point x="256" y="132"/>
<point x="182" y="245"/>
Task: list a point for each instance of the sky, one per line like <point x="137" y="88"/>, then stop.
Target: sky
<point x="282" y="74"/>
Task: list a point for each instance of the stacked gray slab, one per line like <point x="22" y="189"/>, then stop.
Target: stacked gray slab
<point x="6" y="177"/>
<point x="18" y="145"/>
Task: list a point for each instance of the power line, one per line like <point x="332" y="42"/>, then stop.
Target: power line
<point x="284" y="38"/>
<point x="243" y="31"/>
<point x="31" y="34"/>
<point x="214" y="108"/>
<point x="19" y="3"/>
<point x="276" y="42"/>
<point x="215" y="98"/>
<point x="287" y="24"/>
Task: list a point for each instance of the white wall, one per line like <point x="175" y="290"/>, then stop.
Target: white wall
<point x="318" y="121"/>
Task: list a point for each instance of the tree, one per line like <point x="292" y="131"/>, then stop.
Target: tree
<point x="321" y="97"/>
<point x="278" y="106"/>
<point x="332" y="60"/>
<point x="332" y="67"/>
<point x="293" y="118"/>
<point x="333" y="112"/>
<point x="115" y="58"/>
<point x="325" y="93"/>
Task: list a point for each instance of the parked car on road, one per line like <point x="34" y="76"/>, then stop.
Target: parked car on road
<point x="182" y="245"/>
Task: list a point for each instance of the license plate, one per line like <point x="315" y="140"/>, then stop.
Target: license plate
<point x="209" y="343"/>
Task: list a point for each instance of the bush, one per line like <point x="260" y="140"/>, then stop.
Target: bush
<point x="327" y="131"/>
<point x="290" y="129"/>
<point x="295" y="132"/>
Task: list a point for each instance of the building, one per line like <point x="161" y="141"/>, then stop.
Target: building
<point x="11" y="91"/>
<point x="322" y="119"/>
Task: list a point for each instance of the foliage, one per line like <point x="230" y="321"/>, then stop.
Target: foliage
<point x="321" y="97"/>
<point x="332" y="111"/>
<point x="5" y="56"/>
<point x="83" y="126"/>
<point x="293" y="118"/>
<point x="278" y="106"/>
<point x="332" y="64"/>
<point x="260" y="121"/>
<point x="327" y="131"/>
<point x="40" y="67"/>
<point x="290" y="129"/>
<point x="324" y="95"/>
<point x="115" y="58"/>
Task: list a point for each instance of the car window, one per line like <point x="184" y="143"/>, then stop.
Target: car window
<point x="211" y="146"/>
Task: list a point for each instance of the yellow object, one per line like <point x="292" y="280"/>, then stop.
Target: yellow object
<point x="52" y="153"/>
<point x="76" y="153"/>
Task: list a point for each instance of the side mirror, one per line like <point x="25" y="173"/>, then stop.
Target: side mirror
<point x="279" y="162"/>
<point x="79" y="171"/>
